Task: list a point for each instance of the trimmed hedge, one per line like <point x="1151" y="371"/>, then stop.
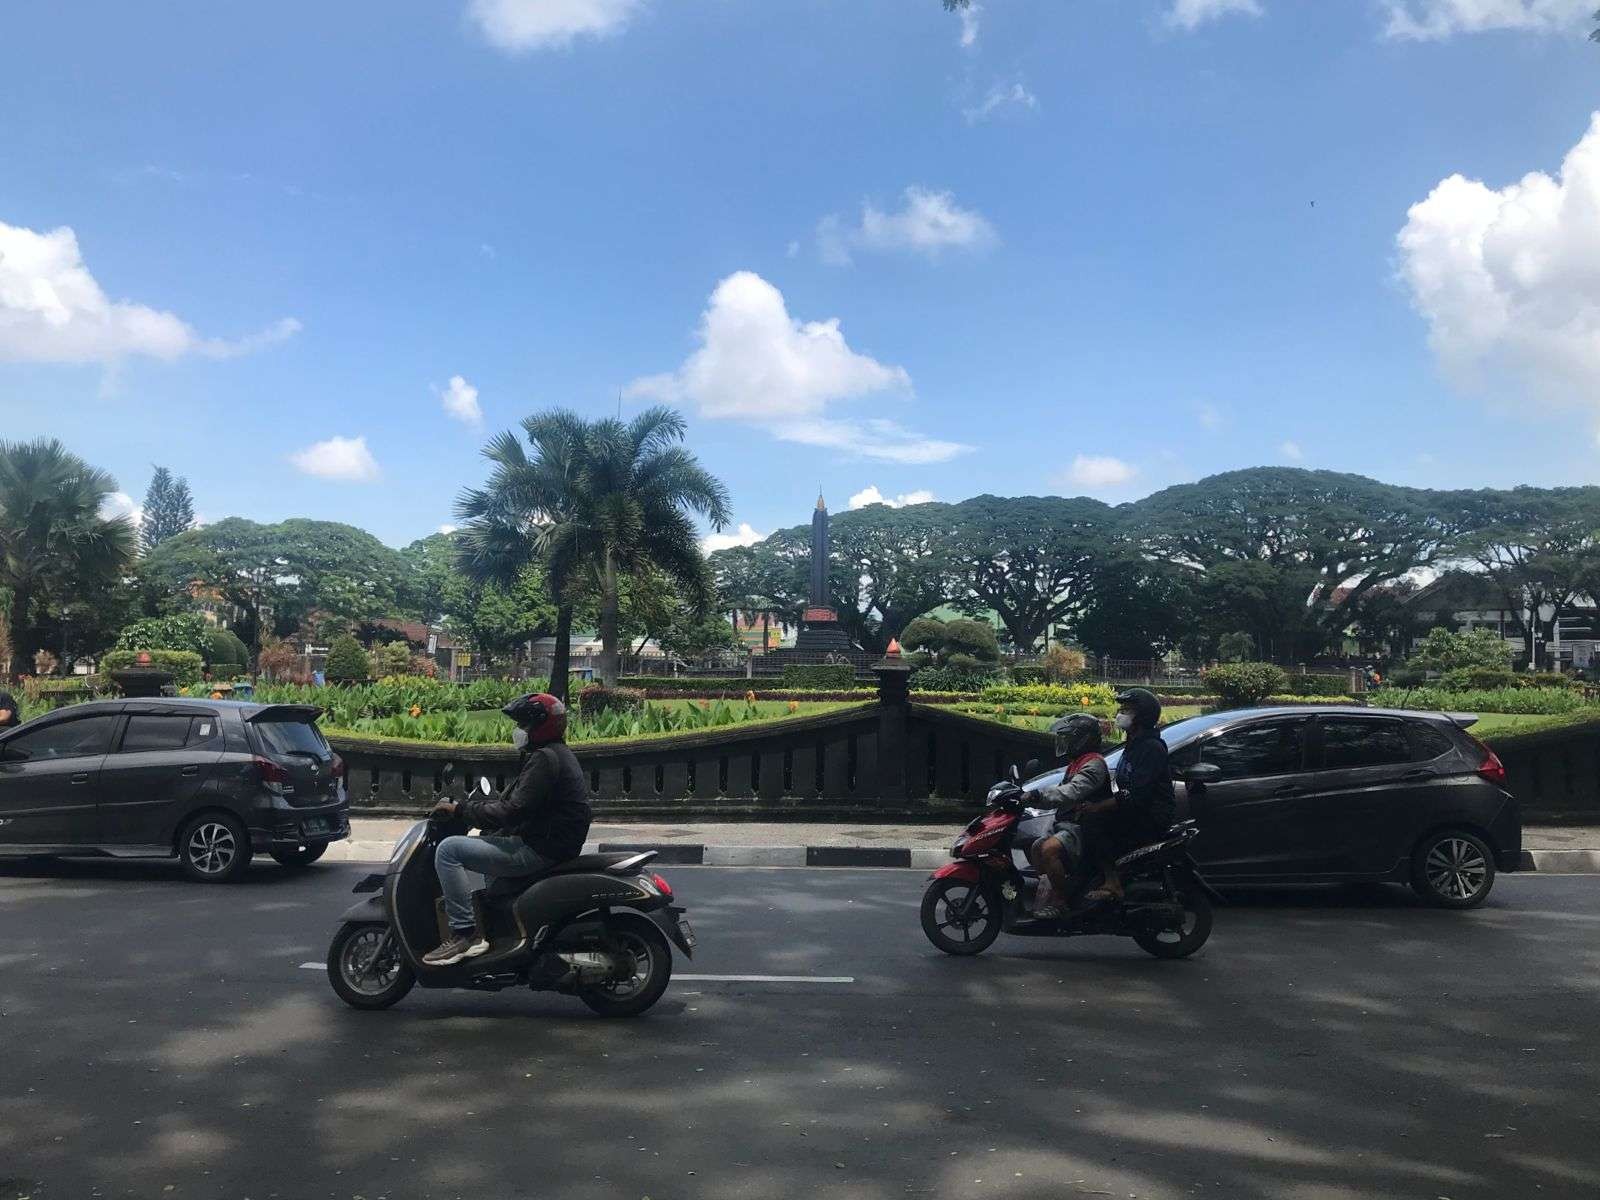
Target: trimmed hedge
<point x="716" y="684"/>
<point x="596" y="699"/>
<point x="834" y="677"/>
<point x="1516" y="701"/>
<point x="1317" y="685"/>
<point x="1072" y="695"/>
<point x="1245" y="683"/>
<point x="184" y="664"/>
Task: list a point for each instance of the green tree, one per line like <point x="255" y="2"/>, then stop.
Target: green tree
<point x="1235" y="647"/>
<point x="964" y="644"/>
<point x="598" y="501"/>
<point x="1140" y="610"/>
<point x="347" y="661"/>
<point x="495" y="619"/>
<point x="168" y="509"/>
<point x="181" y="631"/>
<point x="1446" y="650"/>
<point x="53" y="539"/>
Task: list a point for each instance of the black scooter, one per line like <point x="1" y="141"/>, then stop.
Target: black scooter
<point x="597" y="926"/>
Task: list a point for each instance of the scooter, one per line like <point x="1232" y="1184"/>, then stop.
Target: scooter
<point x="969" y="902"/>
<point x="597" y="926"/>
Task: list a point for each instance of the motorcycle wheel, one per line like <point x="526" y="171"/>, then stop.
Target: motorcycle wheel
<point x="1170" y="943"/>
<point x="364" y="971"/>
<point x="652" y="969"/>
<point x="947" y="929"/>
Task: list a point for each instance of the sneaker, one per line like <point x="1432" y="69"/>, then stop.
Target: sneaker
<point x="462" y="944"/>
<point x="1050" y="912"/>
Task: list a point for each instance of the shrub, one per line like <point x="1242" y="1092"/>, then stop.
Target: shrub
<point x="347" y="661"/>
<point x="1526" y="701"/>
<point x="389" y="658"/>
<point x="1067" y="696"/>
<point x="1445" y="650"/>
<point x="181" y="631"/>
<point x="184" y="664"/>
<point x="596" y="699"/>
<point x="1244" y="683"/>
<point x="1235" y="647"/>
<point x="951" y="679"/>
<point x="964" y="644"/>
<point x="1478" y="679"/>
<point x="1061" y="664"/>
<point x="423" y="666"/>
<point x="278" y="660"/>
<point x="829" y="677"/>
<point x="1317" y="685"/>
<point x="1544" y="679"/>
<point x="224" y="650"/>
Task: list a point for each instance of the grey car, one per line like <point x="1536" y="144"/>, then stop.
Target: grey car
<point x="209" y="782"/>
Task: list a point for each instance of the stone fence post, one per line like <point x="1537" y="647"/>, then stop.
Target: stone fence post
<point x="894" y="712"/>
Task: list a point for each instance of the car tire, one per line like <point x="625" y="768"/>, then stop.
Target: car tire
<point x="214" y="848"/>
<point x="1452" y="868"/>
<point x="303" y="857"/>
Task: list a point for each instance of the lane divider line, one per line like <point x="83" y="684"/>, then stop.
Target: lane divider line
<point x="764" y="978"/>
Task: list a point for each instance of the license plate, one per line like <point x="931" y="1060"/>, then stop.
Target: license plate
<point x="316" y="825"/>
<point x="688" y="932"/>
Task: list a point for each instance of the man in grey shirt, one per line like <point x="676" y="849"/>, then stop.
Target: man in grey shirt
<point x="1087" y="780"/>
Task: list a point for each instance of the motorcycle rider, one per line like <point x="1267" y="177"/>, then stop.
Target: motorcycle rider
<point x="542" y="819"/>
<point x="1143" y="806"/>
<point x="1087" y="779"/>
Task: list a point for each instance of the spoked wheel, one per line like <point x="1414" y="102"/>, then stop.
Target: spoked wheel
<point x="1453" y="869"/>
<point x="1180" y="943"/>
<point x="214" y="848"/>
<point x="647" y="969"/>
<point x="959" y="916"/>
<point x="365" y="967"/>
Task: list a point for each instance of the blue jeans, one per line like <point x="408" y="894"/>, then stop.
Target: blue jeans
<point x="464" y="864"/>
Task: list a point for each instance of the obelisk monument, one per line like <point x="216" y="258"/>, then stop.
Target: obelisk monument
<point x="820" y="631"/>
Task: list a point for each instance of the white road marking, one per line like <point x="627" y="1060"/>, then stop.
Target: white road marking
<point x="313" y="966"/>
<point x="764" y="978"/>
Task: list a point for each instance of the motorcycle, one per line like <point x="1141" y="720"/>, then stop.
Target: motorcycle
<point x="597" y="926"/>
<point x="969" y="902"/>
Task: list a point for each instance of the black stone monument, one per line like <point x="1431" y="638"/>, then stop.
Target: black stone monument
<point x="820" y="631"/>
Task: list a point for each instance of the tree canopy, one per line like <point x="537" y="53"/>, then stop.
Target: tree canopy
<point x="168" y="509"/>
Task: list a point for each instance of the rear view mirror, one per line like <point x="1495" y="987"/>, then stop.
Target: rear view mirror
<point x="1201" y="773"/>
<point x="484" y="785"/>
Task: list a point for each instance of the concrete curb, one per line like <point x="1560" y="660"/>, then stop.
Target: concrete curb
<point x="922" y="858"/>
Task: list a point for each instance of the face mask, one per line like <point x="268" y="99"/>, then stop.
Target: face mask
<point x="1124" y="721"/>
<point x="519" y="737"/>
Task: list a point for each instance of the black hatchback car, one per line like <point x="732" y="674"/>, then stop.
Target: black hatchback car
<point x="1341" y="794"/>
<point x="208" y="781"/>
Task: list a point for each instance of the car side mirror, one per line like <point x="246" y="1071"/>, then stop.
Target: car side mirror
<point x="1201" y="773"/>
<point x="484" y="785"/>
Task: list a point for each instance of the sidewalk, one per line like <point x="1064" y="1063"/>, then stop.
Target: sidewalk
<point x="1552" y="849"/>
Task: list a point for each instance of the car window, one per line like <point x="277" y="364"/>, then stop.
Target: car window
<point x="1363" y="742"/>
<point x="1268" y="748"/>
<point x="205" y="731"/>
<point x="77" y="738"/>
<point x="292" y="737"/>
<point x="155" y="731"/>
<point x="1428" y="741"/>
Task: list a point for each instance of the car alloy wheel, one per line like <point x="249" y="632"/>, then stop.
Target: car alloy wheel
<point x="1456" y="868"/>
<point x="212" y="848"/>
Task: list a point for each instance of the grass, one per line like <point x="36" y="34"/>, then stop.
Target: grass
<point x="1039" y="717"/>
<point x="765" y="709"/>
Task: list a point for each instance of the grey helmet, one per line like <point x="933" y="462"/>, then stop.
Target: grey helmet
<point x="1076" y="735"/>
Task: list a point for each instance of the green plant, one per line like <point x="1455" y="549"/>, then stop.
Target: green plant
<point x="827" y="677"/>
<point x="181" y="631"/>
<point x="1317" y="685"/>
<point x="347" y="661"/>
<point x="184" y="664"/>
<point x="1545" y="679"/>
<point x="224" y="649"/>
<point x="1053" y="696"/>
<point x="1530" y="701"/>
<point x="1445" y="650"/>
<point x="389" y="658"/>
<point x="596" y="699"/>
<point x="951" y="679"/>
<point x="1244" y="683"/>
<point x="1478" y="679"/>
<point x="1235" y="647"/>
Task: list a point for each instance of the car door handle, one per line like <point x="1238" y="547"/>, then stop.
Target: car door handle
<point x="81" y="777"/>
<point x="190" y="771"/>
<point x="1287" y="789"/>
<point x="1417" y="775"/>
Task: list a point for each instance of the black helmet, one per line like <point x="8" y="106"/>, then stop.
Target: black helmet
<point x="1146" y="708"/>
<point x="1076" y="735"/>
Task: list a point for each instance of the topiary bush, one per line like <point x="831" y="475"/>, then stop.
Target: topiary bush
<point x="597" y="698"/>
<point x="184" y="664"/>
<point x="1478" y="679"/>
<point x="1239" y="684"/>
<point x="226" y="655"/>
<point x="347" y="661"/>
<point x="824" y="677"/>
<point x="181" y="631"/>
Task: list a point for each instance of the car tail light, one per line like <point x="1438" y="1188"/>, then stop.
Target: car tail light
<point x="269" y="771"/>
<point x="337" y="768"/>
<point x="1491" y="768"/>
<point x="663" y="885"/>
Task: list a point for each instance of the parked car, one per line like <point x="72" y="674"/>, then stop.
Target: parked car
<point x="1341" y="794"/>
<point x="210" y="782"/>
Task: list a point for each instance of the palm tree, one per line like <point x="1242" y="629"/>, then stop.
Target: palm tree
<point x="597" y="501"/>
<point x="52" y="536"/>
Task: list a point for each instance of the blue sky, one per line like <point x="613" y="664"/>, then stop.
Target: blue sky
<point x="1101" y="247"/>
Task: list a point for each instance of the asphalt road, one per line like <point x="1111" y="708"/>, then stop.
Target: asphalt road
<point x="159" y="1040"/>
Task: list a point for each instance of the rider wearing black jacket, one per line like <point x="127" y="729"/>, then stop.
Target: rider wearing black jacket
<point x="547" y="806"/>
<point x="1143" y="806"/>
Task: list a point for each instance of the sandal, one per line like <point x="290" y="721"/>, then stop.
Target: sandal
<point x="1100" y="896"/>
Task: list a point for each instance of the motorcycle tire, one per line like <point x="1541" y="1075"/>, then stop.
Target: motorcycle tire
<point x="974" y="937"/>
<point x="350" y="983"/>
<point x="652" y="956"/>
<point x="1171" y="944"/>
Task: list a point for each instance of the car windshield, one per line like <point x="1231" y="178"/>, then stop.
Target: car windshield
<point x="299" y="738"/>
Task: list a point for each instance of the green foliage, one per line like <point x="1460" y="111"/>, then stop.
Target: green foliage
<point x="1478" y="679"/>
<point x="1542" y="679"/>
<point x="389" y="658"/>
<point x="1053" y="696"/>
<point x="597" y="698"/>
<point x="185" y="665"/>
<point x="224" y="649"/>
<point x="1244" y="683"/>
<point x="181" y="631"/>
<point x="1446" y="650"/>
<point x="826" y="677"/>
<point x="1235" y="647"/>
<point x="1317" y="685"/>
<point x="1499" y="700"/>
<point x="962" y="650"/>
<point x="347" y="661"/>
<point x="395" y="695"/>
<point x="951" y="679"/>
<point x="168" y="509"/>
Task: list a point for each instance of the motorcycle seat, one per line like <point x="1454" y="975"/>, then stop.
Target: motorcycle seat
<point x="502" y="886"/>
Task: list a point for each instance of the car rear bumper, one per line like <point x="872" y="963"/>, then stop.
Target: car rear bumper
<point x="290" y="830"/>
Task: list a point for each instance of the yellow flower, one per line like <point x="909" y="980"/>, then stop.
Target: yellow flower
<point x="750" y="696"/>
<point x="416" y="710"/>
<point x="216" y="695"/>
<point x="794" y="706"/>
<point x="1084" y="701"/>
<point x="1000" y="708"/>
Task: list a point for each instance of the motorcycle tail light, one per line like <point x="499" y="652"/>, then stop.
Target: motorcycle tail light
<point x="663" y="885"/>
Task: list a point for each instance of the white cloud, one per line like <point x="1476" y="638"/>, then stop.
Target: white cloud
<point x="53" y="310"/>
<point x="1001" y="95"/>
<point x="460" y="400"/>
<point x="745" y="535"/>
<point x="120" y="504"/>
<point x="756" y="363"/>
<point x="1191" y="14"/>
<point x="519" y="25"/>
<point x="1509" y="279"/>
<point x="448" y="528"/>
<point x="1291" y="450"/>
<point x="344" y="459"/>
<point x="1209" y="416"/>
<point x="871" y="495"/>
<point x="928" y="223"/>
<point x="1099" y="471"/>
<point x="1428" y="20"/>
<point x="969" y="25"/>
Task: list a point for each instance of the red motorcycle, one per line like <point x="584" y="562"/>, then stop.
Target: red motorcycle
<point x="1166" y="908"/>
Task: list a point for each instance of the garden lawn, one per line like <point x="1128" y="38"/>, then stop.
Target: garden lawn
<point x="764" y="709"/>
<point x="1040" y="716"/>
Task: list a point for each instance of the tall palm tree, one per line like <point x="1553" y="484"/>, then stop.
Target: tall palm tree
<point x="599" y="501"/>
<point x="52" y="536"/>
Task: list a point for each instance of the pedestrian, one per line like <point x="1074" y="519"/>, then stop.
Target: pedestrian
<point x="10" y="714"/>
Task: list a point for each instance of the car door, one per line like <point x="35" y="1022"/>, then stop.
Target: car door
<point x="1361" y="771"/>
<point x="1246" y="815"/>
<point x="158" y="766"/>
<point x="49" y="780"/>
